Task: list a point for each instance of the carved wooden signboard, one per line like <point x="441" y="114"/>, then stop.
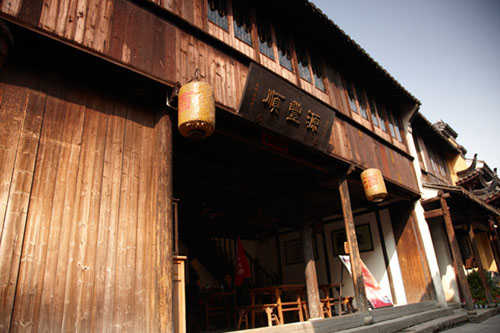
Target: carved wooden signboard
<point x="278" y="105"/>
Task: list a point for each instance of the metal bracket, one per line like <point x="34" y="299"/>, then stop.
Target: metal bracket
<point x="172" y="100"/>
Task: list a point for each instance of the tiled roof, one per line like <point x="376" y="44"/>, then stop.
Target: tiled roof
<point x="457" y="190"/>
<point x="419" y="120"/>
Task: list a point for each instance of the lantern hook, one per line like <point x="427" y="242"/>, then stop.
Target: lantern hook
<point x="173" y="95"/>
<point x="196" y="76"/>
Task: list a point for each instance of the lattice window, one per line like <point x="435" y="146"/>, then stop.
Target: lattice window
<point x="352" y="97"/>
<point x="383" y="117"/>
<point x="265" y="39"/>
<point x="318" y="75"/>
<point x="217" y="13"/>
<point x="374" y="111"/>
<point x="284" y="52"/>
<point x="242" y="22"/>
<point x="362" y="103"/>
<point x="303" y="61"/>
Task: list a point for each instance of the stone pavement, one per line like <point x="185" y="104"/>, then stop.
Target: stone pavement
<point x="490" y="325"/>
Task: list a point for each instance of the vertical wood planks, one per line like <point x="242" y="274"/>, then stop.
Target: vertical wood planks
<point x="226" y="76"/>
<point x="81" y="215"/>
<point x="16" y="165"/>
<point x="162" y="256"/>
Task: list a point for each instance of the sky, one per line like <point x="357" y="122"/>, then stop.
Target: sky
<point x="444" y="52"/>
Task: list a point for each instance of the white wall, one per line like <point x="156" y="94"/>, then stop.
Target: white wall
<point x="374" y="260"/>
<point x="445" y="263"/>
<point x="392" y="254"/>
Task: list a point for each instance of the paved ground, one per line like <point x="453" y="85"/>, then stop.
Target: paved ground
<point x="490" y="325"/>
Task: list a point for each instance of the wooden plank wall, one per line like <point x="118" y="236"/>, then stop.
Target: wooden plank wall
<point x="351" y="143"/>
<point x="133" y="36"/>
<point x="84" y="200"/>
<point x="125" y="32"/>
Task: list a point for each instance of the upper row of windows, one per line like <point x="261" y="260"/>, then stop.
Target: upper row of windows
<point x="217" y="14"/>
<point x="381" y="117"/>
<point x="310" y="71"/>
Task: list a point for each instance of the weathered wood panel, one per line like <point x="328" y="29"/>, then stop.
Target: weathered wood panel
<point x="412" y="259"/>
<point x="226" y="75"/>
<point x="85" y="210"/>
<point x="310" y="88"/>
<point x="335" y="87"/>
<point x="351" y="143"/>
<point x="127" y="33"/>
<point x="21" y="115"/>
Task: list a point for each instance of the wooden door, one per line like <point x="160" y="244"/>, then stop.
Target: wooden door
<point x="412" y="259"/>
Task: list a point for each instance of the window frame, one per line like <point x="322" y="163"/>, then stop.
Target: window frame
<point x="216" y="11"/>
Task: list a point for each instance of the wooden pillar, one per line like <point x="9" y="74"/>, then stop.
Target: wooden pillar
<point x="357" y="275"/>
<point x="457" y="257"/>
<point x="163" y="249"/>
<point x="313" y="301"/>
<point x="484" y="282"/>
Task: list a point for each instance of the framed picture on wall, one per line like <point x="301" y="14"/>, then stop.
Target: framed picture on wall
<point x="293" y="251"/>
<point x="363" y="234"/>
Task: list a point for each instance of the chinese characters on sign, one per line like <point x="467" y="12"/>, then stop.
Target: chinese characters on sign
<point x="273" y="103"/>
<point x="295" y="110"/>
<point x="312" y="122"/>
<point x="280" y="107"/>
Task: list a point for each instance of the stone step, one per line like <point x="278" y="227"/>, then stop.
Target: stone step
<point x="384" y="314"/>
<point x="403" y="322"/>
<point x="439" y="323"/>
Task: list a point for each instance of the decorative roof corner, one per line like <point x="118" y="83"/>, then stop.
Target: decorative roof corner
<point x="470" y="169"/>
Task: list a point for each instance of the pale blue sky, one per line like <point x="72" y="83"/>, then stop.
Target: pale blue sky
<point x="445" y="52"/>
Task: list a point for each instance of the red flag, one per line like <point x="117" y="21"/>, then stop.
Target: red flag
<point x="242" y="266"/>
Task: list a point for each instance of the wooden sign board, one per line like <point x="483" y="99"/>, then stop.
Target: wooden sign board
<point x="281" y="107"/>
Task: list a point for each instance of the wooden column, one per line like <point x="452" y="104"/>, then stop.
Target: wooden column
<point x="313" y="301"/>
<point x="357" y="275"/>
<point x="458" y="262"/>
<point x="484" y="282"/>
<point x="163" y="248"/>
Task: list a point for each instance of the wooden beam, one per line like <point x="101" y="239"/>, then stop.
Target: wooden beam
<point x="357" y="275"/>
<point x="438" y="198"/>
<point x="482" y="276"/>
<point x="458" y="262"/>
<point x="313" y="300"/>
<point x="433" y="213"/>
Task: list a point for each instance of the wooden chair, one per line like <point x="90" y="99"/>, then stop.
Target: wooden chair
<point x="268" y="309"/>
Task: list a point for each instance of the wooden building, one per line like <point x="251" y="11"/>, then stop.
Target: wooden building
<point x="91" y="160"/>
<point x="459" y="221"/>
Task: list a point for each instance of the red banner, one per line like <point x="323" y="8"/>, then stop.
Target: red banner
<point x="242" y="266"/>
<point x="373" y="291"/>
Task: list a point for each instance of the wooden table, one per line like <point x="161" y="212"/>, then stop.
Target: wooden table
<point x="281" y="306"/>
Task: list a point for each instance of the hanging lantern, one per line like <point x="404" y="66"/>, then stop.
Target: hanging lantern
<point x="374" y="185"/>
<point x="196" y="110"/>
